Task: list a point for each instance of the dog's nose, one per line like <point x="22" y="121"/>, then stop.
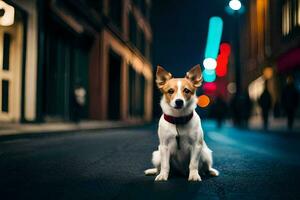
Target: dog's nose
<point x="179" y="103"/>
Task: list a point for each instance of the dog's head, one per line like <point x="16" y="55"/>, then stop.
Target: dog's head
<point x="179" y="92"/>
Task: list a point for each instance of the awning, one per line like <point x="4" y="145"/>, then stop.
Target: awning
<point x="289" y="61"/>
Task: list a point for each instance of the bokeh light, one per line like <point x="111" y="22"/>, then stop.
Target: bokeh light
<point x="210" y="63"/>
<point x="225" y="49"/>
<point x="214" y="37"/>
<point x="231" y="87"/>
<point x="222" y="60"/>
<point x="268" y="73"/>
<point x="235" y="4"/>
<point x="203" y="101"/>
<point x="209" y="87"/>
<point x="209" y="75"/>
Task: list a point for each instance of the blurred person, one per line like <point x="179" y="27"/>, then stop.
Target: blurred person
<point x="79" y="97"/>
<point x="220" y="110"/>
<point x="265" y="102"/>
<point x="277" y="109"/>
<point x="290" y="98"/>
<point x="246" y="109"/>
<point x="235" y="106"/>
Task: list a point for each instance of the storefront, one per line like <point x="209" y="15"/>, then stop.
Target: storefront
<point x="13" y="26"/>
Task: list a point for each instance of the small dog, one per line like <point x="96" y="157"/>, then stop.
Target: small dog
<point x="181" y="143"/>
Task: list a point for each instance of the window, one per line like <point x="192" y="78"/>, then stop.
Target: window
<point x="136" y="93"/>
<point x="115" y="12"/>
<point x="6" y="45"/>
<point x="132" y="93"/>
<point x="298" y="12"/>
<point x="143" y="7"/>
<point x="5" y="94"/>
<point x="148" y="50"/>
<point x="142" y="44"/>
<point x="142" y="99"/>
<point x="147" y="12"/>
<point x="290" y="16"/>
<point x="133" y="29"/>
<point x="96" y="5"/>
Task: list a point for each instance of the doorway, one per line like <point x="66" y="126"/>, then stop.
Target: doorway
<point x="114" y="86"/>
<point x="11" y="46"/>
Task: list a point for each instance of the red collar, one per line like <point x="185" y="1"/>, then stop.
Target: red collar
<point x="178" y="120"/>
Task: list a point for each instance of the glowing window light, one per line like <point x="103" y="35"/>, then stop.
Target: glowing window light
<point x="209" y="87"/>
<point x="299" y="12"/>
<point x="203" y="101"/>
<point x="209" y="75"/>
<point x="214" y="37"/>
<point x="235" y="4"/>
<point x="9" y="14"/>
<point x="210" y="63"/>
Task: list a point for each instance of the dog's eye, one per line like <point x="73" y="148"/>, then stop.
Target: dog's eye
<point x="186" y="91"/>
<point x="170" y="91"/>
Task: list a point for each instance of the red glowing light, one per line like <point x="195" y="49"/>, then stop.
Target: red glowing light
<point x="222" y="60"/>
<point x="225" y="49"/>
<point x="209" y="87"/>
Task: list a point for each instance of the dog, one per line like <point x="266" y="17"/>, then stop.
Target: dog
<point x="181" y="142"/>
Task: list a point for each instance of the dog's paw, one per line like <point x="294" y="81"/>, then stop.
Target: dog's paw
<point x="194" y="176"/>
<point x="162" y="177"/>
<point x="214" y="172"/>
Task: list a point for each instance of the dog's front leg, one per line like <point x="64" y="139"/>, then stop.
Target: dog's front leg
<point x="194" y="163"/>
<point x="165" y="163"/>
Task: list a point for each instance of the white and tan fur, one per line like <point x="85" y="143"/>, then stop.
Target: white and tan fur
<point x="193" y="156"/>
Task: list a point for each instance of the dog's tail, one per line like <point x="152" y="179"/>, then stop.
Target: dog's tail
<point x="151" y="171"/>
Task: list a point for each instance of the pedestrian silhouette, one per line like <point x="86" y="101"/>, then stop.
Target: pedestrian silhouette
<point x="246" y="109"/>
<point x="265" y="102"/>
<point x="290" y="100"/>
<point x="235" y="108"/>
<point x="220" y="110"/>
<point x="79" y="100"/>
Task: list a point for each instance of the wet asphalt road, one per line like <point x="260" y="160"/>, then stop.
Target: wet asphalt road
<point x="109" y="164"/>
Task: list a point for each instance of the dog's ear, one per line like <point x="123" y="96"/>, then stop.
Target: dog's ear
<point x="195" y="76"/>
<point x="162" y="76"/>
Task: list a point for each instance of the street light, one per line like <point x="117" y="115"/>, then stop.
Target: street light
<point x="235" y="4"/>
<point x="236" y="8"/>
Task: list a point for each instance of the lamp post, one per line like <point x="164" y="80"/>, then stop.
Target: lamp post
<point x="236" y="6"/>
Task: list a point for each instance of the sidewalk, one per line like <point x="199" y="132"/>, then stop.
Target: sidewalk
<point x="48" y="127"/>
<point x="275" y="124"/>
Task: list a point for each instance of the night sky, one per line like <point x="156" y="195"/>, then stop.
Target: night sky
<point x="180" y="31"/>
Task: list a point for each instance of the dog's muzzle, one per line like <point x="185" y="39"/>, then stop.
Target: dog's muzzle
<point x="178" y="103"/>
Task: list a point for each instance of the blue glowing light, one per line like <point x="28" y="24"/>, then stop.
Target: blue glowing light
<point x="209" y="75"/>
<point x="214" y="37"/>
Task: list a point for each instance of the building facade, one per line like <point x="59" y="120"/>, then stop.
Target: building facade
<point x="52" y="47"/>
<point x="18" y="58"/>
<point x="121" y="87"/>
<point x="270" y="46"/>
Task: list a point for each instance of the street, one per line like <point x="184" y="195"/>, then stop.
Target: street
<point x="109" y="164"/>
